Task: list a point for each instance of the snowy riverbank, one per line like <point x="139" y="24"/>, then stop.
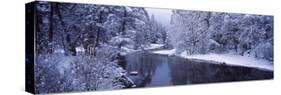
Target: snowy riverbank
<point x="231" y="59"/>
<point x="126" y="50"/>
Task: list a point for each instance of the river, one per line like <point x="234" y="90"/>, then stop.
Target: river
<point x="151" y="70"/>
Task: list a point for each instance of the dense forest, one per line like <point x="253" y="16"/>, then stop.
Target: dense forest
<point x="79" y="46"/>
<point x="199" y="32"/>
<point x="89" y="38"/>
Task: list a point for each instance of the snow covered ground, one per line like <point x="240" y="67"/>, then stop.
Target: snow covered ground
<point x="126" y="50"/>
<point x="167" y="52"/>
<point x="231" y="59"/>
<point x="154" y="46"/>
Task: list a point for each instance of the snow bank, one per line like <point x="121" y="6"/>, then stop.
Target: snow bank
<point x="154" y="46"/>
<point x="126" y="50"/>
<point x="231" y="59"/>
<point x="235" y="60"/>
<point x="167" y="52"/>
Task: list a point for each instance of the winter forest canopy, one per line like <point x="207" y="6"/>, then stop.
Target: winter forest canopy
<point x="79" y="46"/>
<point x="198" y="32"/>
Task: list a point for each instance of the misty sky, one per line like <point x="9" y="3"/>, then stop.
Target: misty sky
<point x="162" y="16"/>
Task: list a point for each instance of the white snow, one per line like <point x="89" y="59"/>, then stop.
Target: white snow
<point x="167" y="52"/>
<point x="59" y="51"/>
<point x="80" y="49"/>
<point x="235" y="60"/>
<point x="154" y="46"/>
<point x="214" y="42"/>
<point x="128" y="9"/>
<point x="230" y="59"/>
<point x="133" y="73"/>
<point x="126" y="50"/>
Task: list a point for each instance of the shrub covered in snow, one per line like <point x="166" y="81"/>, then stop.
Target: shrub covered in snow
<point x="265" y="51"/>
<point x="59" y="73"/>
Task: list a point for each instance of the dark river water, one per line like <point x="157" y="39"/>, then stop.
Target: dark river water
<point x="150" y="70"/>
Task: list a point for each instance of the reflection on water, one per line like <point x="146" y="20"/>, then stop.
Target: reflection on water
<point x="161" y="70"/>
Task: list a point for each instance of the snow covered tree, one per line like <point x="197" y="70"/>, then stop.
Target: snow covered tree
<point x="203" y="32"/>
<point x="157" y="33"/>
<point x="191" y="27"/>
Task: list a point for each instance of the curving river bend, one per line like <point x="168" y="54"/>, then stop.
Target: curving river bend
<point x="162" y="70"/>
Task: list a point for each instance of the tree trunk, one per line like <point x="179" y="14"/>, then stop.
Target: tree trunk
<point x="96" y="41"/>
<point x="124" y="22"/>
<point x="50" y="46"/>
<point x="98" y="33"/>
<point x="69" y="47"/>
<point x="122" y="32"/>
